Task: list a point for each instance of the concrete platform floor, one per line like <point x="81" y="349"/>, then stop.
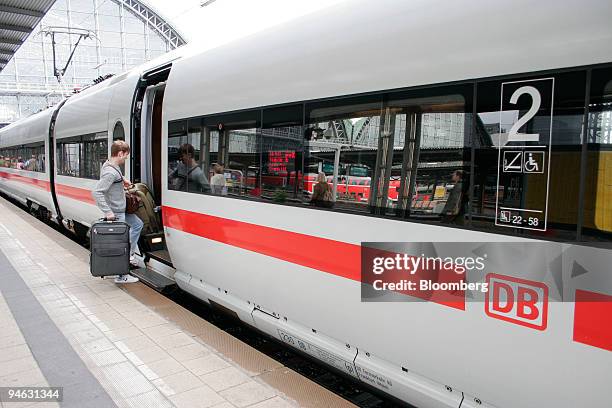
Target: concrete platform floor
<point x="114" y="345"/>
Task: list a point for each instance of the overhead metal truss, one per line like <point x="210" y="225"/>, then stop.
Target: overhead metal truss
<point x="157" y="23"/>
<point x="17" y="21"/>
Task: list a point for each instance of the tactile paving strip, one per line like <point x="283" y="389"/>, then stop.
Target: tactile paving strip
<point x="304" y="391"/>
<point x="245" y="356"/>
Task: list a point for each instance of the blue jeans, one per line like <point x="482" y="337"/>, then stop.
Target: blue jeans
<point x="135" y="224"/>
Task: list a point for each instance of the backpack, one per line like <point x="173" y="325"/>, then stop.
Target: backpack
<point x="132" y="201"/>
<point x="146" y="209"/>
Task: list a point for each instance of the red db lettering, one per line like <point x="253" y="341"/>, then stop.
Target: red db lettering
<point x="527" y="299"/>
<point x="518" y="301"/>
<point x="509" y="298"/>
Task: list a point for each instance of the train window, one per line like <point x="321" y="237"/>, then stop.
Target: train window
<point x="234" y="153"/>
<point x="82" y="156"/>
<point x="187" y="167"/>
<point x="341" y="141"/>
<point x="282" y="144"/>
<point x="428" y="174"/>
<point x="30" y="157"/>
<point x="118" y="132"/>
<point x="69" y="157"/>
<point x="95" y="153"/>
<point x="597" y="221"/>
<point x="527" y="155"/>
<point x="241" y="166"/>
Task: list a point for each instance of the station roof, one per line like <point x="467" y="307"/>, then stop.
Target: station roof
<point x="18" y="18"/>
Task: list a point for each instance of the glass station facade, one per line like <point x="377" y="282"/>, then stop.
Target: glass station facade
<point x="125" y="36"/>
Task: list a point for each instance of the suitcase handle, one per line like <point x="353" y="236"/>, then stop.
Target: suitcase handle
<point x="106" y="252"/>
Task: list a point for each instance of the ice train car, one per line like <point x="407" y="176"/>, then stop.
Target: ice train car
<point x="410" y="96"/>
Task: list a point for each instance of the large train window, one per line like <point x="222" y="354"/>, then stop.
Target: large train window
<point x="186" y="169"/>
<point x="82" y="156"/>
<point x="30" y="157"/>
<point x="527" y="155"/>
<point x="341" y="152"/>
<point x="234" y="162"/>
<point x="428" y="173"/>
<point x="597" y="221"/>
<point x="282" y="137"/>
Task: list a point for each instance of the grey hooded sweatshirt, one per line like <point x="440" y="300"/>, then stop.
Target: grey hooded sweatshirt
<point x="108" y="193"/>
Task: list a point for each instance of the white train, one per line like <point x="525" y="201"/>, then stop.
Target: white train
<point x="406" y="92"/>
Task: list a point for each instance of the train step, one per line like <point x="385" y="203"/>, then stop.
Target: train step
<point x="155" y="280"/>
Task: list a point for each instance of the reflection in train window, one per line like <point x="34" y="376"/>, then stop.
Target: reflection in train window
<point x="186" y="170"/>
<point x="234" y="153"/>
<point x="94" y="154"/>
<point x="241" y="165"/>
<point x="341" y="148"/>
<point x="597" y="223"/>
<point x="282" y="137"/>
<point x="427" y="155"/>
<point x="30" y="157"/>
<point x="430" y="164"/>
<point x="82" y="156"/>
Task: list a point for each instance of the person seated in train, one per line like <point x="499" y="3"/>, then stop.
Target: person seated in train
<point x="217" y="181"/>
<point x="322" y="192"/>
<point x="20" y="163"/>
<point x="2" y="161"/>
<point x="110" y="198"/>
<point x="455" y="207"/>
<point x="31" y="163"/>
<point x="188" y="176"/>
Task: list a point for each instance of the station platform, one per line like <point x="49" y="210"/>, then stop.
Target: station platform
<point x="113" y="345"/>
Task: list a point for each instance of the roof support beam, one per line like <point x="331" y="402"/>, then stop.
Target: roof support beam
<point x="21" y="11"/>
<point x="10" y="41"/>
<point x="22" y="29"/>
<point x="4" y="61"/>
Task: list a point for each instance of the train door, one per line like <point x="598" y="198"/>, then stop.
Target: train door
<point x="147" y="122"/>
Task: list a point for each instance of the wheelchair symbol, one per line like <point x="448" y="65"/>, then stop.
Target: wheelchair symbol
<point x="533" y="162"/>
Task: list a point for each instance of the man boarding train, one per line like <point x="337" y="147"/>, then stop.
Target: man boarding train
<point x="110" y="198"/>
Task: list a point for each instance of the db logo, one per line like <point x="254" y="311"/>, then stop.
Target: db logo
<point x="517" y="301"/>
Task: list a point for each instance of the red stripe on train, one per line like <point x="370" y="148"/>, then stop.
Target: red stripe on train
<point x="323" y="254"/>
<point x="326" y="255"/>
<point x="593" y="319"/>
<point x="76" y="193"/>
<point x="44" y="184"/>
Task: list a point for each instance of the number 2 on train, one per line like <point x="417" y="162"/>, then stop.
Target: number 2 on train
<point x="536" y="101"/>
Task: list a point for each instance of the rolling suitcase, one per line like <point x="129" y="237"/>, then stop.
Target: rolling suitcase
<point x="110" y="248"/>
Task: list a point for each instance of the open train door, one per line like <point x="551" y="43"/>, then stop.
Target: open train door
<point x="146" y="167"/>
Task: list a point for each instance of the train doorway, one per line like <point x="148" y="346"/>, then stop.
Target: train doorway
<point x="150" y="159"/>
<point x="147" y="122"/>
<point x="151" y="169"/>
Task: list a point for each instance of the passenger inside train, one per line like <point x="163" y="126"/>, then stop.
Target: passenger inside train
<point x="217" y="180"/>
<point x="322" y="195"/>
<point x="188" y="175"/>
